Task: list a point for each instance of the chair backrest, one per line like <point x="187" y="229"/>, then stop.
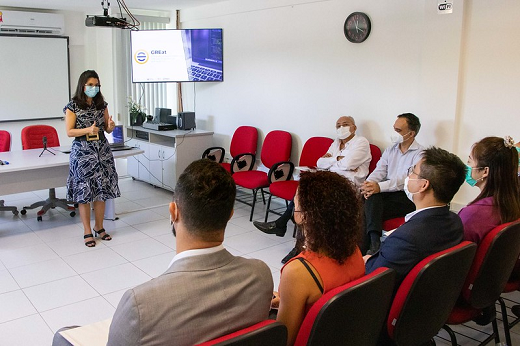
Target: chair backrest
<point x="276" y="148"/>
<point x="265" y="333"/>
<point x="5" y="141"/>
<point x="352" y="314"/>
<point x="427" y="295"/>
<point x="32" y="136"/>
<point x="244" y="141"/>
<point x="313" y="149"/>
<point x="496" y="256"/>
<point x="376" y="155"/>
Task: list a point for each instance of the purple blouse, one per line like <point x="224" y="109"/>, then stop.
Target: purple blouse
<point x="479" y="219"/>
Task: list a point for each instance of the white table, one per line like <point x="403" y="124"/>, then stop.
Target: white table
<point x="27" y="171"/>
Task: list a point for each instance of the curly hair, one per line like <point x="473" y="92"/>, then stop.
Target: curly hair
<point x="331" y="214"/>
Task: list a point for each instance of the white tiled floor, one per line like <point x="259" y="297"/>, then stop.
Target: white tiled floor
<point x="49" y="279"/>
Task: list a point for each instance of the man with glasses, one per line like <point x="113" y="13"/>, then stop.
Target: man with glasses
<point x="432" y="227"/>
<point x="383" y="188"/>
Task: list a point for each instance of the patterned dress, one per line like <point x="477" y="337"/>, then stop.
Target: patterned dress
<point x="92" y="171"/>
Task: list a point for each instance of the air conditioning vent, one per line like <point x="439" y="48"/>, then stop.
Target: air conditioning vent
<point x="31" y="23"/>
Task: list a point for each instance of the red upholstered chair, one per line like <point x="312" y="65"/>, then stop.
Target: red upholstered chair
<point x="276" y="148"/>
<point x="376" y="155"/>
<point x="32" y="138"/>
<point x="5" y="145"/>
<point x="352" y="314"/>
<point x="265" y="333"/>
<point x="427" y="295"/>
<point x="313" y="149"/>
<point x="496" y="256"/>
<point x="242" y="150"/>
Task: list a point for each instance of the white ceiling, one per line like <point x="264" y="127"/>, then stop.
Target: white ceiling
<point x="95" y="7"/>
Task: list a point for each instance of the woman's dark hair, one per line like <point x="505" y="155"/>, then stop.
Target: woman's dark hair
<point x="331" y="214"/>
<point x="80" y="98"/>
<point x="502" y="180"/>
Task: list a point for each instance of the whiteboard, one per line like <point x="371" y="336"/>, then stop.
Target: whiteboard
<point x="34" y="77"/>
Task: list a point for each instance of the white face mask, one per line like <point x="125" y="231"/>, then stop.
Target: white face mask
<point x="408" y="193"/>
<point x="397" y="138"/>
<point x="343" y="132"/>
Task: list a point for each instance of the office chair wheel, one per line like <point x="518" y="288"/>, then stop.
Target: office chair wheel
<point x="15" y="212"/>
<point x="72" y="214"/>
<point x="39" y="218"/>
<point x="23" y="212"/>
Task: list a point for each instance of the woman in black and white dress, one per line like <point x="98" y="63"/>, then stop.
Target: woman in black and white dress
<point x="92" y="174"/>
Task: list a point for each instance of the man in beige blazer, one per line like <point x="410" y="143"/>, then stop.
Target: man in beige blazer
<point x="206" y="292"/>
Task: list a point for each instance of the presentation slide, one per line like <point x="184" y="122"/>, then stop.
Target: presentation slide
<point x="159" y="56"/>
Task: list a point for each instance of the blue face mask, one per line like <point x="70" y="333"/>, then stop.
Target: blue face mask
<point x="518" y="149"/>
<point x="91" y="91"/>
<point x="469" y="179"/>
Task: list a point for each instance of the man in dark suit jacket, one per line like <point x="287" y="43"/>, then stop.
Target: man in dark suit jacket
<point x="431" y="184"/>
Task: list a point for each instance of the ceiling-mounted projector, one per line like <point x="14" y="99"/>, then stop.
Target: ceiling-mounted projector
<point x="107" y="21"/>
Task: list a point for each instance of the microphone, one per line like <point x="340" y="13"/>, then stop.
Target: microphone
<point x="44" y="142"/>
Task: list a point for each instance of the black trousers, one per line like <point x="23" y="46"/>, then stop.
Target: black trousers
<point x="384" y="206"/>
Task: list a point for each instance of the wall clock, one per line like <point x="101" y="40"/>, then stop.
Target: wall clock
<point x="357" y="27"/>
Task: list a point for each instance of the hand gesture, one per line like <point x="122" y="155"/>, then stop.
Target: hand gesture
<point x="93" y="130"/>
<point x="111" y="124"/>
<point x="327" y="155"/>
<point x="369" y="188"/>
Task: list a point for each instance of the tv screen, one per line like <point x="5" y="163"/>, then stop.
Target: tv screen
<point x="185" y="55"/>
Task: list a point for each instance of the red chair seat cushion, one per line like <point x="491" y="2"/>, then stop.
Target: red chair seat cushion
<point x="284" y="189"/>
<point x="391" y="224"/>
<point x="227" y="166"/>
<point x="251" y="179"/>
<point x="462" y="313"/>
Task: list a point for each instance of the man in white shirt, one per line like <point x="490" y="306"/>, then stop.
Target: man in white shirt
<point x="383" y="189"/>
<point x="349" y="156"/>
<point x="206" y="292"/>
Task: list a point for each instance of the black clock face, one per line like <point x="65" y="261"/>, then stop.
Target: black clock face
<point x="357" y="27"/>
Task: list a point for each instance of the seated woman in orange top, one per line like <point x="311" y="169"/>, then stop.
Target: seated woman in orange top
<point x="327" y="210"/>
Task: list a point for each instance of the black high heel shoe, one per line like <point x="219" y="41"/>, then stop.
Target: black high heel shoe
<point x="106" y="237"/>
<point x="90" y="243"/>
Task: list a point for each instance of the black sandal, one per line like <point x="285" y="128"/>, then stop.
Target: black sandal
<point x="90" y="243"/>
<point x="106" y="237"/>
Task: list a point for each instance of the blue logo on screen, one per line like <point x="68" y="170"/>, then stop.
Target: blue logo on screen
<point x="141" y="56"/>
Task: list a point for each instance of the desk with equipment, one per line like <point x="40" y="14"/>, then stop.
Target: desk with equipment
<point x="166" y="153"/>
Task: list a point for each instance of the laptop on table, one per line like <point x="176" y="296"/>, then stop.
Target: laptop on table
<point x="116" y="139"/>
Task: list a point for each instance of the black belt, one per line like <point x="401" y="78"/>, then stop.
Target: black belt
<point x="84" y="138"/>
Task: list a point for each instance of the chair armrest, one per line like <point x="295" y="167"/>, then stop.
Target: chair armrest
<point x="243" y="162"/>
<point x="214" y="154"/>
<point x="280" y="171"/>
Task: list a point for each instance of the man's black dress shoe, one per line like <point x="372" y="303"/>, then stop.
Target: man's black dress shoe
<point x="293" y="253"/>
<point x="516" y="310"/>
<point x="270" y="228"/>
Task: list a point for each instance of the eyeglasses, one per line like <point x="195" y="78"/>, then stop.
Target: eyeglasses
<point x="411" y="170"/>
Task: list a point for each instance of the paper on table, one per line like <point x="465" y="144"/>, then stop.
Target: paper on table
<point x="95" y="334"/>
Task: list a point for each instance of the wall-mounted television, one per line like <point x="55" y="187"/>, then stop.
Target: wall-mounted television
<point x="184" y="55"/>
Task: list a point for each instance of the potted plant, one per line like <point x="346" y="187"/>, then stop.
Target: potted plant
<point x="137" y="114"/>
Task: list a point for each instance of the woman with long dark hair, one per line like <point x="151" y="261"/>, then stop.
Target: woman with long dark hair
<point x="328" y="211"/>
<point x="92" y="173"/>
<point x="493" y="168"/>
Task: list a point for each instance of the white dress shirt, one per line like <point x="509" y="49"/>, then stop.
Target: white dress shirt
<point x="392" y="168"/>
<point x="354" y="164"/>
<point x="196" y="252"/>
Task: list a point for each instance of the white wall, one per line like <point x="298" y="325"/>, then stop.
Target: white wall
<point x="288" y="66"/>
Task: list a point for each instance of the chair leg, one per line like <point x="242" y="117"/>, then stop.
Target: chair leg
<point x="450" y="332"/>
<point x="268" y="206"/>
<point x="495" y="331"/>
<point x="505" y="321"/>
<point x="263" y="197"/>
<point x="255" y="191"/>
